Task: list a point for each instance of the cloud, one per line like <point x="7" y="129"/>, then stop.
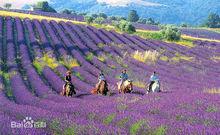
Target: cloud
<point x="124" y="3"/>
<point x="18" y="4"/>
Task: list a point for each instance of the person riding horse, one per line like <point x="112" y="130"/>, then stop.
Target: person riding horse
<point x="123" y="77"/>
<point x="68" y="81"/>
<point x="101" y="78"/>
<point x="153" y="79"/>
<point x="101" y="86"/>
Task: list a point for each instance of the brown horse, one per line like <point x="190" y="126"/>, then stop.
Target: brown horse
<point x="126" y="87"/>
<point x="102" y="88"/>
<point x="68" y="91"/>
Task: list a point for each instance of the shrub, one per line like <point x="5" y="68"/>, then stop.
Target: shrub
<point x="125" y="26"/>
<point x="171" y="33"/>
<point x="99" y="20"/>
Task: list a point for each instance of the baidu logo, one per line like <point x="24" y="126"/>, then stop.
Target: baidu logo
<point x="28" y="123"/>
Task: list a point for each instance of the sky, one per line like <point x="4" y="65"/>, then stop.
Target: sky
<point x="20" y="3"/>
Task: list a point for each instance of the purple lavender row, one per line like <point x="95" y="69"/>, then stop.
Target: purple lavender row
<point x="47" y="72"/>
<point x="201" y="33"/>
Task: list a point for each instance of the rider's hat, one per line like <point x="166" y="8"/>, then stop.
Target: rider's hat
<point x="68" y="72"/>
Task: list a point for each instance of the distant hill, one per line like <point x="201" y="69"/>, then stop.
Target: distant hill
<point x="173" y="11"/>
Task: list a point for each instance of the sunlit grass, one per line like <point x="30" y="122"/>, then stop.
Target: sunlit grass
<point x="45" y="60"/>
<point x="215" y="58"/>
<point x="147" y="34"/>
<point x="164" y="58"/>
<point x="102" y="58"/>
<point x="38" y="17"/>
<point x="136" y="126"/>
<point x="139" y="84"/>
<point x="197" y="38"/>
<point x="123" y="122"/>
<point x="147" y="56"/>
<point x="180" y="57"/>
<point x="103" y="26"/>
<point x="183" y="42"/>
<point x="213" y="91"/>
<point x="211" y="109"/>
<point x="69" y="62"/>
<point x="89" y="56"/>
<point x="101" y="45"/>
<point x="109" y="119"/>
<point x="7" y="76"/>
<point x="77" y="74"/>
<point x="213" y="29"/>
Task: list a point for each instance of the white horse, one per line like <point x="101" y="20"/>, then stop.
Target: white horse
<point x="155" y="87"/>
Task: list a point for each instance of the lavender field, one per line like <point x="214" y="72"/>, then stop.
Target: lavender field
<point x="194" y="32"/>
<point x="190" y="79"/>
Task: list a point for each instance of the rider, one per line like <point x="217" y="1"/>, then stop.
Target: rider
<point x="67" y="79"/>
<point x="153" y="78"/>
<point x="101" y="77"/>
<point x="123" y="77"/>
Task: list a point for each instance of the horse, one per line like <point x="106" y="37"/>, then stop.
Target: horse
<point x="126" y="87"/>
<point x="102" y="88"/>
<point x="69" y="90"/>
<point x="155" y="87"/>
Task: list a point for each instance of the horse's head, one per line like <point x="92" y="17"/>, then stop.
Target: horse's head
<point x="129" y="84"/>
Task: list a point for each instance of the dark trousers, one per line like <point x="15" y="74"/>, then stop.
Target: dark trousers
<point x="150" y="86"/>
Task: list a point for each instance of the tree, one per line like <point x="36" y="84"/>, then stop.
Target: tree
<point x="142" y="20"/>
<point x="44" y="6"/>
<point x="89" y="19"/>
<point x="94" y="15"/>
<point x="133" y="16"/>
<point x="67" y="11"/>
<point x="7" y="5"/>
<point x="213" y="21"/>
<point x="171" y="33"/>
<point x="103" y="15"/>
<point x="151" y="21"/>
<point x="184" y="25"/>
